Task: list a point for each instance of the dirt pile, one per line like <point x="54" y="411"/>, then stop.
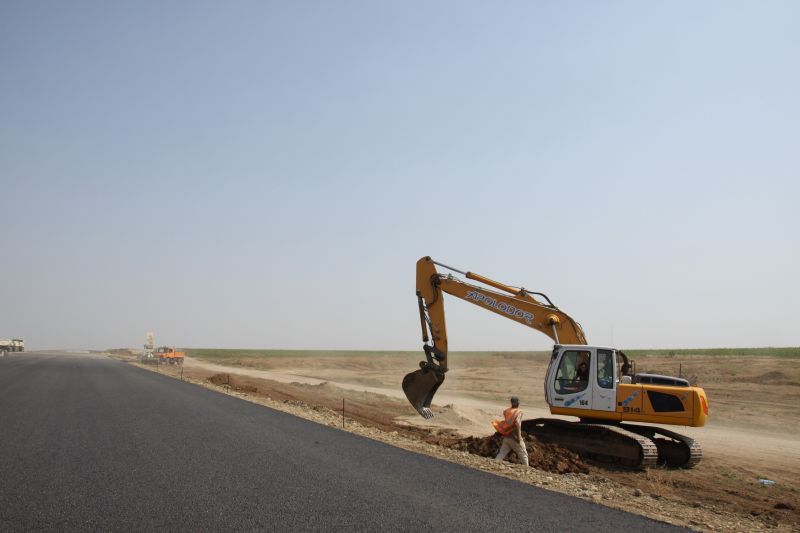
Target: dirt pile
<point x="544" y="456"/>
<point x="232" y="382"/>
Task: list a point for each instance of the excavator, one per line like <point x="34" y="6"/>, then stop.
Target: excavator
<point x="596" y="384"/>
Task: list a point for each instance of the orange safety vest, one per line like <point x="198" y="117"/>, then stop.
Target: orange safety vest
<point x="506" y="427"/>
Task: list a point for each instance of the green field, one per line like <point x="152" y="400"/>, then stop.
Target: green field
<point x="221" y="354"/>
<point x="789" y="353"/>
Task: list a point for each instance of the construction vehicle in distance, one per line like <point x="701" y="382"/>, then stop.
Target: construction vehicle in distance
<point x="12" y="345"/>
<point x="169" y="355"/>
<point x="162" y="355"/>
<point x="597" y="384"/>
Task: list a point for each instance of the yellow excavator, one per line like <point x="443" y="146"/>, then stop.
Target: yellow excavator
<point x="597" y="384"/>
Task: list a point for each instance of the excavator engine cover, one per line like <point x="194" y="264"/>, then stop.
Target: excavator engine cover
<point x="420" y="386"/>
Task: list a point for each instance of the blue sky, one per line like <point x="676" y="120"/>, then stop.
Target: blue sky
<point x="264" y="174"/>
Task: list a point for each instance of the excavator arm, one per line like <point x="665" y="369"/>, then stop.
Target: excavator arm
<point x="514" y="303"/>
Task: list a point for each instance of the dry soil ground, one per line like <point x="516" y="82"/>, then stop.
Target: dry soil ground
<point x="752" y="434"/>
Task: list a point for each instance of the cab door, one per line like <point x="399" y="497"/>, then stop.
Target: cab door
<point x="604" y="386"/>
<point x="570" y="387"/>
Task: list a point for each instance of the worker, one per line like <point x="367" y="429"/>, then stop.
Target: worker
<point x="582" y="373"/>
<point x="511" y="430"/>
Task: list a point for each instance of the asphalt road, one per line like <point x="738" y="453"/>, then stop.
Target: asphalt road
<point x="89" y="443"/>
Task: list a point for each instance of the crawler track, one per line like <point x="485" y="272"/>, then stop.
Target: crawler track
<point x="604" y="443"/>
<point x="674" y="450"/>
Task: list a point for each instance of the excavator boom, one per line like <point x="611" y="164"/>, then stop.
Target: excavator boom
<point x="514" y="303"/>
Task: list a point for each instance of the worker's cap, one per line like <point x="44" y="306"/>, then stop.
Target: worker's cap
<point x="515" y="399"/>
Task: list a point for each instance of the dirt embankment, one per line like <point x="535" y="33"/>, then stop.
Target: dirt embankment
<point x="543" y="456"/>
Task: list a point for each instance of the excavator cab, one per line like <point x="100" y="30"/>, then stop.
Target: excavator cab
<point x="581" y="380"/>
<point x="610" y="391"/>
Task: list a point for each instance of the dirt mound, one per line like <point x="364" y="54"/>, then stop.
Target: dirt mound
<point x="323" y="388"/>
<point x="449" y="415"/>
<point x="544" y="456"/>
<point x="232" y="382"/>
<point x="463" y="419"/>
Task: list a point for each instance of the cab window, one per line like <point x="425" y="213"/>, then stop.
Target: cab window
<point x="573" y="372"/>
<point x="605" y="369"/>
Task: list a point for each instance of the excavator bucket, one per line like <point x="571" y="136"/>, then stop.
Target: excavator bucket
<point x="420" y="386"/>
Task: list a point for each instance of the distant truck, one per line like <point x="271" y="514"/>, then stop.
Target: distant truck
<point x="12" y="345"/>
<point x="169" y="355"/>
